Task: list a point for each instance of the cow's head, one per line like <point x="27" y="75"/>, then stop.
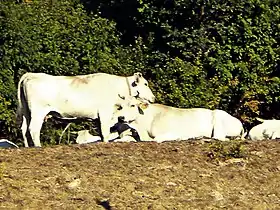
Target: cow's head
<point x="128" y="109"/>
<point x="139" y="88"/>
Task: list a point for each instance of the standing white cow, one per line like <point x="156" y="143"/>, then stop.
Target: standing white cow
<point x="70" y="97"/>
<point x="160" y="123"/>
<point x="268" y="129"/>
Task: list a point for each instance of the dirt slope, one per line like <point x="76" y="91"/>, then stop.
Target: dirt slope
<point x="146" y="175"/>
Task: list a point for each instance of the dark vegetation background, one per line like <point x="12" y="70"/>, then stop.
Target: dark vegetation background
<point x="213" y="54"/>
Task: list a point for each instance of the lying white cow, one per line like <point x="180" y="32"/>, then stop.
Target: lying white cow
<point x="70" y="97"/>
<point x="160" y="123"/>
<point x="268" y="129"/>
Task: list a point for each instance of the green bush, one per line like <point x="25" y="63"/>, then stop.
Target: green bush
<point x="233" y="44"/>
<point x="218" y="150"/>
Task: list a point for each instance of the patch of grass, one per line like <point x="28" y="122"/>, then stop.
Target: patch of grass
<point x="220" y="150"/>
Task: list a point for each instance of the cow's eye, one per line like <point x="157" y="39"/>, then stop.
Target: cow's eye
<point x="132" y="105"/>
<point x="146" y="84"/>
<point x="119" y="108"/>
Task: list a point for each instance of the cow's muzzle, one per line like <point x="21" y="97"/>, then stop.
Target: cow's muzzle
<point x="121" y="119"/>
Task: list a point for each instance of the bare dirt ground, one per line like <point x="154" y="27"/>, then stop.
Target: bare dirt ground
<point x="145" y="175"/>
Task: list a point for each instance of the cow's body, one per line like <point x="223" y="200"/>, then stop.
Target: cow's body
<point x="85" y="96"/>
<point x="164" y="123"/>
<point x="268" y="129"/>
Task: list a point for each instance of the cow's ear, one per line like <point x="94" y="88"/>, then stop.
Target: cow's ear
<point x="137" y="76"/>
<point x="143" y="105"/>
<point x="140" y="110"/>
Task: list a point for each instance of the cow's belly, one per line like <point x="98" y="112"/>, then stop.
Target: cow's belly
<point x="79" y="108"/>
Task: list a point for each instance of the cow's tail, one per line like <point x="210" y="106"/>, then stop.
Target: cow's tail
<point x="213" y="123"/>
<point x="20" y="96"/>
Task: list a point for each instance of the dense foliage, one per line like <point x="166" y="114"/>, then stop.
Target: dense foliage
<point x="214" y="54"/>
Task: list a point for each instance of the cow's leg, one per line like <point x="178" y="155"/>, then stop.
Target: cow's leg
<point x="27" y="140"/>
<point x="37" y="119"/>
<point x="105" y="131"/>
<point x="105" y="123"/>
<point x="104" y="128"/>
<point x="24" y="125"/>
